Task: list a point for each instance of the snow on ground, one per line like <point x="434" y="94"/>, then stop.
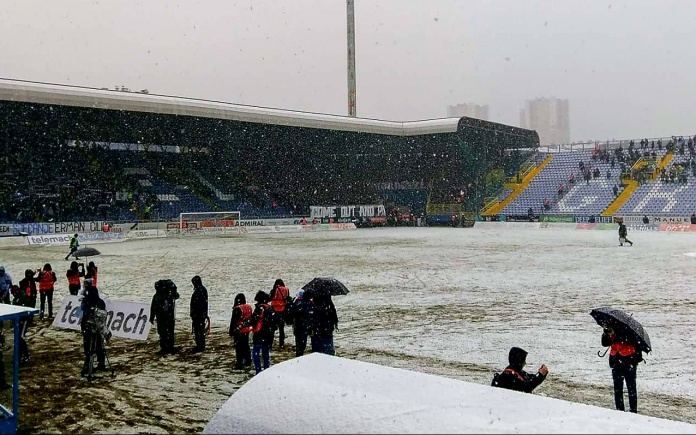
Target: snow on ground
<point x="440" y="300"/>
<point x="348" y="396"/>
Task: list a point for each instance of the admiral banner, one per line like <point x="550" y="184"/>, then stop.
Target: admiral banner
<point x="124" y="319"/>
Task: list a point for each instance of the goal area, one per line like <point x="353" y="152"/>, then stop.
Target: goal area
<point x="211" y="219"/>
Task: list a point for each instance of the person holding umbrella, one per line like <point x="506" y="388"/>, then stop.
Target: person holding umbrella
<point x="623" y="361"/>
<point x="627" y="340"/>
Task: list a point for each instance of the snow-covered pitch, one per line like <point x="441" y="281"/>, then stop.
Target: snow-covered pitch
<point x="451" y="298"/>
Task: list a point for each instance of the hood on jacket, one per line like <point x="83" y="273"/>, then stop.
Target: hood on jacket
<point x="517" y="357"/>
<point x="240" y="299"/>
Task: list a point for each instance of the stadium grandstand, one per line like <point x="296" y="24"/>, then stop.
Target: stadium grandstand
<point x="74" y="153"/>
<point x="643" y="177"/>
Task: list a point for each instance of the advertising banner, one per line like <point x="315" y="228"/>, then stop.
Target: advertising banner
<point x="338" y="211"/>
<point x="641" y="227"/>
<point x="124" y="319"/>
<point x="597" y="219"/>
<point x="556" y="218"/>
<point x="146" y="234"/>
<point x="678" y="227"/>
<point x="64" y="239"/>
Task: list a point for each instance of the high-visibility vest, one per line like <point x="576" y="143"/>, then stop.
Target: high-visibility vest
<point x="259" y="323"/>
<point x="74" y="278"/>
<point x="246" y="315"/>
<point x="622" y="349"/>
<point x="48" y="278"/>
<point x="279" y="297"/>
<point x="514" y="372"/>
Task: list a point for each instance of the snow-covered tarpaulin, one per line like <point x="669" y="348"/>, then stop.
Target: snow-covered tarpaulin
<point x="322" y="394"/>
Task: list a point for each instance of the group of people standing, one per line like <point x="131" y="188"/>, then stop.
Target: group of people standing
<point x="312" y="315"/>
<point x="41" y="283"/>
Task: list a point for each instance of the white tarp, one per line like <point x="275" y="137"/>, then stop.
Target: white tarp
<point x="321" y="394"/>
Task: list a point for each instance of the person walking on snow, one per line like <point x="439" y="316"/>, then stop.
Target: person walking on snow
<point x="623" y="233"/>
<point x="74" y="244"/>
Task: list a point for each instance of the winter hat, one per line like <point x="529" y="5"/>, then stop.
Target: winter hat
<point x="517" y="357"/>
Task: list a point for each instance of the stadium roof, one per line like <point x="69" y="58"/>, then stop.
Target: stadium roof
<point x="76" y="96"/>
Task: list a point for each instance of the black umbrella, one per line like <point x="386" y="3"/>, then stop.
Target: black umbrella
<point x="86" y="252"/>
<point x="331" y="286"/>
<point x="608" y="316"/>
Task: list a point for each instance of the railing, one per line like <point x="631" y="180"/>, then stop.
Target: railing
<point x="605" y="145"/>
<point x="444" y="209"/>
<point x="525" y="168"/>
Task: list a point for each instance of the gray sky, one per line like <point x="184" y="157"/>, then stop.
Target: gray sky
<point x="627" y="67"/>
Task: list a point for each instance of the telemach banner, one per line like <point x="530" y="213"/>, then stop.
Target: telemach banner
<point x="124" y="319"/>
<point x="556" y="218"/>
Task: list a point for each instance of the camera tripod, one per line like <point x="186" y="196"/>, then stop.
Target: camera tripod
<point x="94" y="342"/>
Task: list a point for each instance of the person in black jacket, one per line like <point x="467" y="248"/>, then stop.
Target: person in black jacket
<point x="302" y="322"/>
<point x="92" y="341"/>
<point x="515" y="378"/>
<point x="241" y="313"/>
<point x="623" y="361"/>
<point x="199" y="313"/>
<point x="163" y="310"/>
<point x="28" y="286"/>
<point x="623" y="234"/>
<point x="324" y="321"/>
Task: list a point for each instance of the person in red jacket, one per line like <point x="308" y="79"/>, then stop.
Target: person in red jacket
<point x="623" y="360"/>
<point x="280" y="296"/>
<point x="47" y="280"/>
<point x="241" y="314"/>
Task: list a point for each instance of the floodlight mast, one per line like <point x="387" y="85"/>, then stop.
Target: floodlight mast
<point x="352" y="110"/>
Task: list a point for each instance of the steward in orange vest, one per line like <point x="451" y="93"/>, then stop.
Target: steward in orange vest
<point x="47" y="279"/>
<point x="623" y="360"/>
<point x="241" y="315"/>
<point x="280" y="297"/>
<point x="262" y="324"/>
<point x="28" y="286"/>
<point x="74" y="274"/>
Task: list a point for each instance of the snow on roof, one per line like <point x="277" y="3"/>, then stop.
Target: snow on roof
<point x="7" y="311"/>
<point x="76" y="96"/>
<point x="322" y="394"/>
